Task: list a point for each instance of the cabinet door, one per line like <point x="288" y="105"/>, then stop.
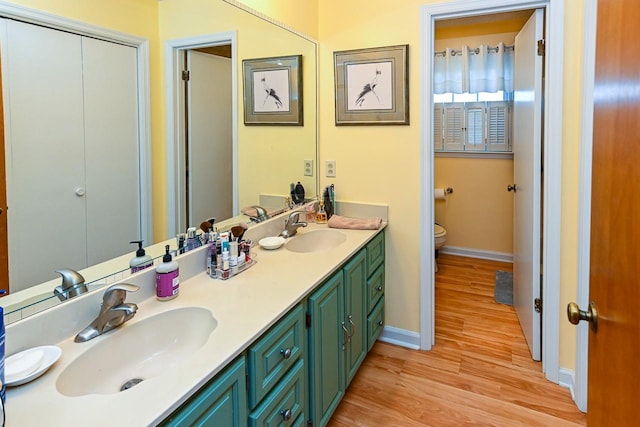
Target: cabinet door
<point x="355" y="280"/>
<point x="223" y="402"/>
<point x="327" y="341"/>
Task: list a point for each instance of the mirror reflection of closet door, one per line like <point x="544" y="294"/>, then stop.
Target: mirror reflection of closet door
<point x="67" y="174"/>
<point x="209" y="136"/>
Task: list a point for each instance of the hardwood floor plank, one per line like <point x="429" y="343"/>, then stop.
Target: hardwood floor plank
<point x="479" y="372"/>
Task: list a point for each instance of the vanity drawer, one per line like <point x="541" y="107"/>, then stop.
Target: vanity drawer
<point x="375" y="288"/>
<point x="269" y="359"/>
<point x="375" y="253"/>
<point x="375" y="323"/>
<point x="285" y="405"/>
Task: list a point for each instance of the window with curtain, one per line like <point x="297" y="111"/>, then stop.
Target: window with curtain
<point x="473" y="99"/>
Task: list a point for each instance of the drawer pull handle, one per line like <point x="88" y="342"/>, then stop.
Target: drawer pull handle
<point x="347" y="337"/>
<point x="379" y="288"/>
<point x="352" y="327"/>
<point x="286" y="353"/>
<point x="286" y="415"/>
<point x="380" y="323"/>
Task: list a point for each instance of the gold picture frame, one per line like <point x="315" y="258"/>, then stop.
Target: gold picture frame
<point x="372" y="86"/>
<point x="273" y="91"/>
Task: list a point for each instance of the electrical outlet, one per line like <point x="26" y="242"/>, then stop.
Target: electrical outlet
<point x="308" y="168"/>
<point x="330" y="168"/>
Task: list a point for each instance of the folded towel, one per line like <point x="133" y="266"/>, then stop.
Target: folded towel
<point x="337" y="221"/>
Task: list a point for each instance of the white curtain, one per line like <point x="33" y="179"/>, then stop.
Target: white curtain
<point x="480" y="70"/>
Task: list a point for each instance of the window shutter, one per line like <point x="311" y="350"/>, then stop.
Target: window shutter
<point x="475" y="128"/>
<point x="437" y="127"/>
<point x="498" y="121"/>
<point x="453" y="131"/>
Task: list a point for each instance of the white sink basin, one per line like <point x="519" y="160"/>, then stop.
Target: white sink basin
<point x="137" y="351"/>
<point x="316" y="240"/>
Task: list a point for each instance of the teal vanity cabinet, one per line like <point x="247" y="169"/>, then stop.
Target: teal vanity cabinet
<point x="346" y="317"/>
<point x="222" y="402"/>
<point x="375" y="289"/>
<point x="277" y="373"/>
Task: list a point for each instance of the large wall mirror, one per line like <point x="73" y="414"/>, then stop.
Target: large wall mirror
<point x="264" y="159"/>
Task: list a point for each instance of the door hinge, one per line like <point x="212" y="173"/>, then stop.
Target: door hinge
<point x="537" y="305"/>
<point x="308" y="321"/>
<point x="185" y="75"/>
<point x="541" y="47"/>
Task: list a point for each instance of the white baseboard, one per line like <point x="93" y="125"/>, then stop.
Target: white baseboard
<point x="477" y="253"/>
<point x="567" y="378"/>
<point x="401" y="337"/>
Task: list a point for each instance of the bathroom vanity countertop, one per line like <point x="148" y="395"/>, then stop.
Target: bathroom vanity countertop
<point x="244" y="307"/>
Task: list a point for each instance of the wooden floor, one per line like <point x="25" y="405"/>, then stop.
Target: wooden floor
<point x="479" y="372"/>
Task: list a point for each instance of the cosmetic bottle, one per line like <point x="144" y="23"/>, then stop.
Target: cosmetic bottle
<point x="321" y="218"/>
<point x="141" y="260"/>
<point x="167" y="278"/>
<point x="192" y="239"/>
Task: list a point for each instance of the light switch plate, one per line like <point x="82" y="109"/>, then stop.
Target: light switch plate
<point x="330" y="168"/>
<point x="308" y="167"/>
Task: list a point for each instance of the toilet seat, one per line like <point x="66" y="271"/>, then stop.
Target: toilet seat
<point x="439" y="231"/>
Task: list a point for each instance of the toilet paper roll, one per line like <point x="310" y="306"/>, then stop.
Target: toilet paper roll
<point x="440" y="194"/>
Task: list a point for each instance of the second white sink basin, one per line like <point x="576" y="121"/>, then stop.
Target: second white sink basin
<point x="137" y="351"/>
<point x="316" y="240"/>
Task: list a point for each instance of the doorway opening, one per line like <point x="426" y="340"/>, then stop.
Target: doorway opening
<point x="202" y="152"/>
<point x="551" y="152"/>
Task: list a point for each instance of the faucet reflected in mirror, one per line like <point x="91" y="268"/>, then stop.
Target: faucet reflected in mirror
<point x="252" y="142"/>
<point x="113" y="313"/>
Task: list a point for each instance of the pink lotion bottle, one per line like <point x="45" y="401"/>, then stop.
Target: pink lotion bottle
<point x="167" y="278"/>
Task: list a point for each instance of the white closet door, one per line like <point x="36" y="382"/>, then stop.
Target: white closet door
<point x="45" y="147"/>
<point x="111" y="149"/>
<point x="210" y="152"/>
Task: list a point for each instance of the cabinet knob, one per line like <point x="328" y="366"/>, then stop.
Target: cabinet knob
<point x="379" y="288"/>
<point x="380" y="323"/>
<point x="80" y="192"/>
<point x="286" y="353"/>
<point x="286" y="414"/>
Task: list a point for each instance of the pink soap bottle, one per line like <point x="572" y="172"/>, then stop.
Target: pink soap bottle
<point x="167" y="278"/>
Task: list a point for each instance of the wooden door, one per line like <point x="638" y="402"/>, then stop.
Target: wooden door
<point x="527" y="141"/>
<point x="614" y="378"/>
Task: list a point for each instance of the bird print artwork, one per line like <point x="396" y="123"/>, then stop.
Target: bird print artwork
<point x="369" y="88"/>
<point x="271" y="94"/>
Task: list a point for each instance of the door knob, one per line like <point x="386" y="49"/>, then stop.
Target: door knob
<point x="575" y="315"/>
<point x="512" y="188"/>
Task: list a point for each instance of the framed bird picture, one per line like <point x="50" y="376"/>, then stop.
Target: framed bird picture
<point x="372" y="86"/>
<point x="273" y="91"/>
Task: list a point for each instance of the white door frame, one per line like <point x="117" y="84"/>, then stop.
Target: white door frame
<point x="175" y="120"/>
<point x="554" y="36"/>
<point x="584" y="195"/>
<point x="33" y="16"/>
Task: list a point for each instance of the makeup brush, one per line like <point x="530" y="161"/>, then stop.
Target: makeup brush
<point x="238" y="230"/>
<point x="205" y="226"/>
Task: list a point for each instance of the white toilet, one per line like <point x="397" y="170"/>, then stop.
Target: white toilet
<point x="440" y="237"/>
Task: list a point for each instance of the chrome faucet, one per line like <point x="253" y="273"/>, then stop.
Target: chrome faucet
<point x="113" y="313"/>
<point x="261" y="214"/>
<point x="72" y="284"/>
<point x="292" y="224"/>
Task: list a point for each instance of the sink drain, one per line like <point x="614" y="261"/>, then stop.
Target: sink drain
<point x="131" y="383"/>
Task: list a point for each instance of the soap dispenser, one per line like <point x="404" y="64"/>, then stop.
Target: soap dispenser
<point x="141" y="260"/>
<point x="167" y="278"/>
